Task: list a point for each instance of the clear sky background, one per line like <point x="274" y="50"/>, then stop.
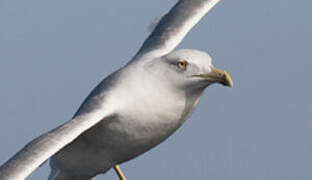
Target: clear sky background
<point x="52" y="54"/>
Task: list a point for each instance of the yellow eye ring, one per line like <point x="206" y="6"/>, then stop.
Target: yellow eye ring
<point x="182" y="64"/>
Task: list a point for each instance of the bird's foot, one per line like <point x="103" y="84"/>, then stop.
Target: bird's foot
<point x="119" y="172"/>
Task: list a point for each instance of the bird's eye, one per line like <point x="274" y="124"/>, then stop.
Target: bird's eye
<point x="182" y="64"/>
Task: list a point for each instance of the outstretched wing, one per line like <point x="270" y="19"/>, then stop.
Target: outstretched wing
<point x="42" y="148"/>
<point x="173" y="27"/>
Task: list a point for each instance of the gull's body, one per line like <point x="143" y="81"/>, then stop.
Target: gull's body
<point x="145" y="119"/>
<point x="130" y="111"/>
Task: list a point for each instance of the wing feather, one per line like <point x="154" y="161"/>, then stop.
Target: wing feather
<point x="174" y="26"/>
<point x="23" y="163"/>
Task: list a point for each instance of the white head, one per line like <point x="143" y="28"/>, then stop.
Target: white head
<point x="189" y="69"/>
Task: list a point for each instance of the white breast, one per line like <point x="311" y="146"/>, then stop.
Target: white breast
<point x="148" y="114"/>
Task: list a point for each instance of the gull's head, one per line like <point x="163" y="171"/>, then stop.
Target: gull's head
<point x="192" y="69"/>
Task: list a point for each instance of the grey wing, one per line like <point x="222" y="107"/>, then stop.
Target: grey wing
<point x="42" y="148"/>
<point x="95" y="108"/>
<point x="174" y="26"/>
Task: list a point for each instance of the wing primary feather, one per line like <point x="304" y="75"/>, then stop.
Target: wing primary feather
<point x="153" y="25"/>
<point x="23" y="163"/>
<point x="174" y="26"/>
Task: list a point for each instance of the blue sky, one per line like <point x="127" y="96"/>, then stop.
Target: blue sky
<point x="52" y="53"/>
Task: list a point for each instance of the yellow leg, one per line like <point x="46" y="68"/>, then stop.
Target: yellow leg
<point x="119" y="172"/>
